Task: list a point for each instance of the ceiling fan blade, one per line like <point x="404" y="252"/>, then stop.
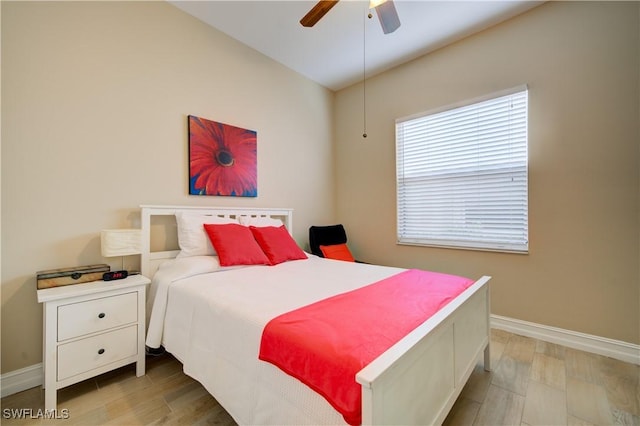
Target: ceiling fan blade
<point x="317" y="12"/>
<point x="388" y="16"/>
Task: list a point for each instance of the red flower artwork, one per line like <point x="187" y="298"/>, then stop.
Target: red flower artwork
<point x="222" y="159"/>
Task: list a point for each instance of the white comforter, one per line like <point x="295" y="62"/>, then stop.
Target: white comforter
<point x="211" y="319"/>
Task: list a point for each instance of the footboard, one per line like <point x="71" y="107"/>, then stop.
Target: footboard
<point x="418" y="379"/>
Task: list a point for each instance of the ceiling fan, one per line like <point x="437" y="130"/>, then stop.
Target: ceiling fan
<point x="385" y="9"/>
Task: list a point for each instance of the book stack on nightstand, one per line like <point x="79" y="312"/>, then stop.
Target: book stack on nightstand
<point x="91" y="328"/>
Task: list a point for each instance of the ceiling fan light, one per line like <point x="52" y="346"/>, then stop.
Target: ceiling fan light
<point x="388" y="17"/>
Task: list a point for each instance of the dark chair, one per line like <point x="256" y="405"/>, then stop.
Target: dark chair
<point x="326" y="236"/>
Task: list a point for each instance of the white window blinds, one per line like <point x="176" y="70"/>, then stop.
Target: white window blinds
<point x="462" y="175"/>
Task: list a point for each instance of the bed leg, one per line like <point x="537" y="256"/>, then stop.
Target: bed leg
<point x="487" y="349"/>
<point x="487" y="357"/>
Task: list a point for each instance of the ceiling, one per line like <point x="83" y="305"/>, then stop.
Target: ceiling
<point x="336" y="51"/>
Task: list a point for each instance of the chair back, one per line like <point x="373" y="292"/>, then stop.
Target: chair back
<point x="326" y="236"/>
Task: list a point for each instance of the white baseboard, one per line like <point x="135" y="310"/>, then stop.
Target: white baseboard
<point x="29" y="377"/>
<point x="23" y="379"/>
<point x="617" y="349"/>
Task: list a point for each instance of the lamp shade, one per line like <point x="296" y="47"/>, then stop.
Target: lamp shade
<point x="120" y="242"/>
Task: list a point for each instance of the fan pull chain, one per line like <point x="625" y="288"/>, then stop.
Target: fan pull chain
<point x="364" y="75"/>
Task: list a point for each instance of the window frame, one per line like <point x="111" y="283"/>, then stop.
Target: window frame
<point x="522" y="245"/>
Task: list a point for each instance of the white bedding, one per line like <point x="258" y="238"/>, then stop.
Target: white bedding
<point x="211" y="319"/>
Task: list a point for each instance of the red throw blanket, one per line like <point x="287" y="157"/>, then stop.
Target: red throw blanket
<point x="326" y="343"/>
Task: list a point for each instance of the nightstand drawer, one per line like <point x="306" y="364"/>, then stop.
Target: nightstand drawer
<point x="78" y="319"/>
<point x="93" y="352"/>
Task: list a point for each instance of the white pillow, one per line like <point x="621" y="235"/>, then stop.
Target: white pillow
<point x="260" y="221"/>
<point x="192" y="238"/>
<point x="188" y="266"/>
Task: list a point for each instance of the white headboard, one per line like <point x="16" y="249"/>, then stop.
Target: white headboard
<point x="150" y="260"/>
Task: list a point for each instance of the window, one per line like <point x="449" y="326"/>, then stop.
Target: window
<point x="462" y="175"/>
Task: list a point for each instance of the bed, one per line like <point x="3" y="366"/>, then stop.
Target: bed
<point x="211" y="318"/>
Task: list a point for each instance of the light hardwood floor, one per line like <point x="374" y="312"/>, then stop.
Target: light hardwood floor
<point x="532" y="383"/>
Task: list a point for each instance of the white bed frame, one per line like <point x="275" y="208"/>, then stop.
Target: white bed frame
<point x="417" y="380"/>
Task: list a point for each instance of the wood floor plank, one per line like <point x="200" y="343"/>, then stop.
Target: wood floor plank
<point x="550" y="349"/>
<point x="478" y="384"/>
<point x="501" y="407"/>
<point x="80" y="398"/>
<point x="544" y="405"/>
<point x="512" y="375"/>
<point x="116" y="388"/>
<point x="500" y="336"/>
<point x="162" y="368"/>
<point x="574" y="421"/>
<point x="583" y="366"/>
<point x="128" y="402"/>
<point x="141" y="412"/>
<point x="95" y="417"/>
<point x="623" y="395"/>
<point x="463" y="412"/>
<point x="185" y="396"/>
<point x="621" y="417"/>
<point x="203" y="410"/>
<point x="610" y="367"/>
<point x="621" y="381"/>
<point x="28" y="399"/>
<point x="520" y="348"/>
<point x="549" y="370"/>
<point x="588" y="401"/>
<point x="497" y="349"/>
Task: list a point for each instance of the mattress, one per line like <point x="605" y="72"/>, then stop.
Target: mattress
<point x="211" y="318"/>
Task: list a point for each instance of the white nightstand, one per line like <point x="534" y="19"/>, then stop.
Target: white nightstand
<point x="90" y="329"/>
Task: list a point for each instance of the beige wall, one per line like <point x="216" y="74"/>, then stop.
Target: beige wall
<point x="94" y="105"/>
<point x="95" y="98"/>
<point x="581" y="62"/>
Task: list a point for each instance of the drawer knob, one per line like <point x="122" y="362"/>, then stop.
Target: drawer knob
<point x="100" y="351"/>
<point x="101" y="315"/>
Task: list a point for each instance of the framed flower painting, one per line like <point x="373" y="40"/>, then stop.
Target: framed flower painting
<point x="222" y="159"/>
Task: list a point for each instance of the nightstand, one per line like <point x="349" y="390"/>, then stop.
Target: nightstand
<point x="90" y="329"/>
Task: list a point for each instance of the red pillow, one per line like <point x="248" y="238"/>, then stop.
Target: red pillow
<point x="277" y="244"/>
<point x="337" y="252"/>
<point x="235" y="245"/>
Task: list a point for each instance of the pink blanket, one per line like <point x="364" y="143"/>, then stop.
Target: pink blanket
<point x="326" y="343"/>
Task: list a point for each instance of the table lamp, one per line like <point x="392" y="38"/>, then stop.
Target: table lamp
<point x="120" y="242"/>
